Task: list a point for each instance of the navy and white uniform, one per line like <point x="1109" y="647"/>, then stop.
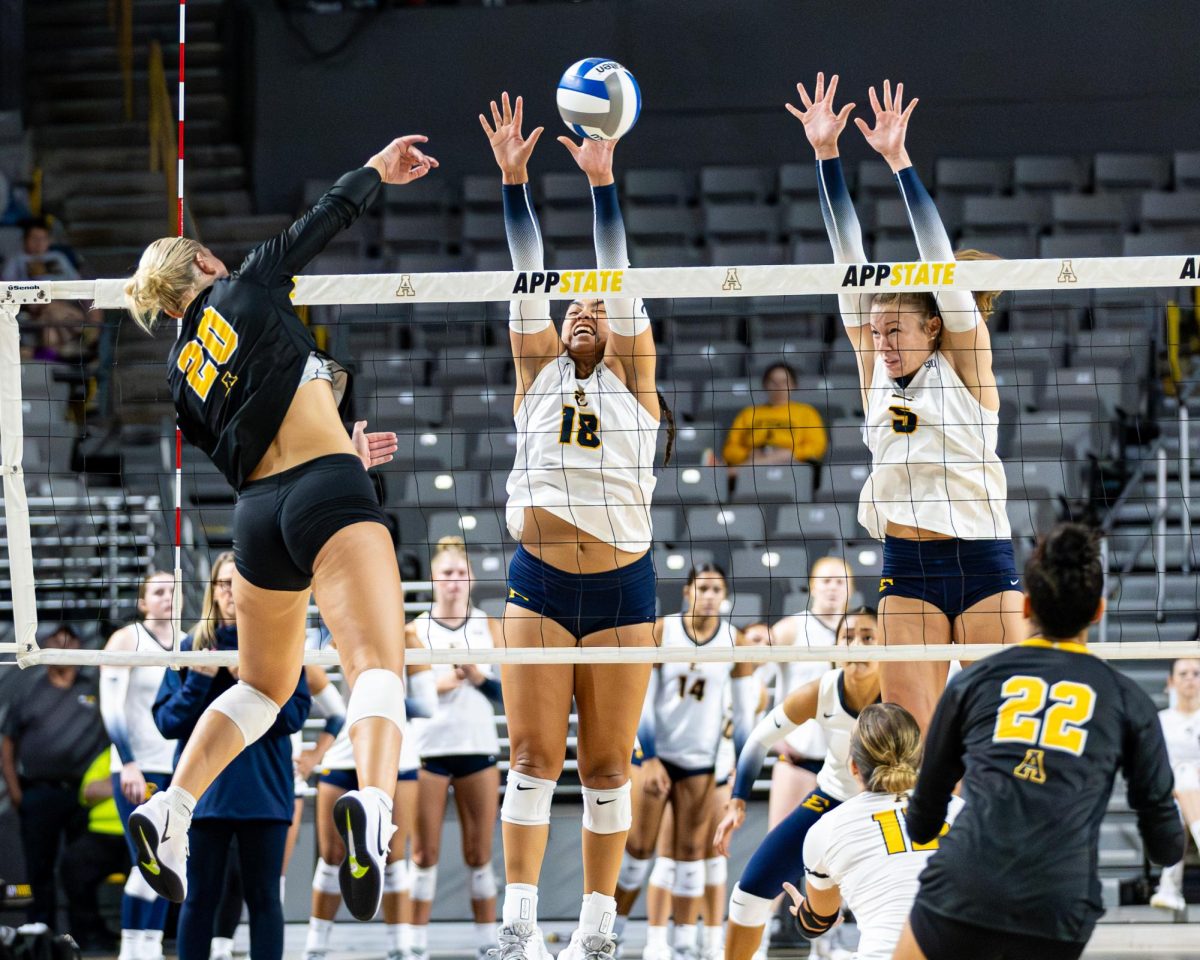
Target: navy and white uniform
<point x="1181" y="731"/>
<point x="933" y="445"/>
<point x="806" y="743"/>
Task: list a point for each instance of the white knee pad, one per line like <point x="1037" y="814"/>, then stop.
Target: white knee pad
<point x="633" y="872"/>
<point x="689" y="878"/>
<point x="483" y="882"/>
<point x="663" y="874"/>
<point x="716" y="871"/>
<point x="607" y="811"/>
<point x="136" y="886"/>
<point x="527" y="800"/>
<point x="747" y="910"/>
<point x="325" y="878"/>
<point x="376" y="693"/>
<point x="252" y="711"/>
<point x="424" y="882"/>
<point x="396" y="877"/>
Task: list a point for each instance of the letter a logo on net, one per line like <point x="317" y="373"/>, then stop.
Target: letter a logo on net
<point x="406" y="289"/>
<point x="731" y="280"/>
<point x="1066" y="273"/>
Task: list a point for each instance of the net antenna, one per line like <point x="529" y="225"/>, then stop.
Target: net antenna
<point x="710" y="283"/>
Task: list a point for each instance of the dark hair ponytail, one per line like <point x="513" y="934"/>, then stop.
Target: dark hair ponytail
<point x="1065" y="581"/>
<point x="669" y="415"/>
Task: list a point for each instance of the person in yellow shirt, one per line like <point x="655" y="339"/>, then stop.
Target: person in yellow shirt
<point x="94" y="856"/>
<point x="779" y="431"/>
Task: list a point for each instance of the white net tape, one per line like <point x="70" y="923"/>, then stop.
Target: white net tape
<point x="1161" y="278"/>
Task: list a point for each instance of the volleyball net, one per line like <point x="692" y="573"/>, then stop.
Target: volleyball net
<point x="1094" y="358"/>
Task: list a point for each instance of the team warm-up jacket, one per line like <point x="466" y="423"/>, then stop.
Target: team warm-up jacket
<point x="238" y="360"/>
<point x="1037" y="733"/>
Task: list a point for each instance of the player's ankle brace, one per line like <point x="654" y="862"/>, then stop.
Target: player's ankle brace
<point x="607" y="811"/>
<point x="527" y="800"/>
<point x="377" y="693"/>
<point x="251" y="710"/>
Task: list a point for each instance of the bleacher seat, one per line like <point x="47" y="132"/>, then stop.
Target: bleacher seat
<point x="803" y="354"/>
<point x="741" y="222"/>
<point x="1007" y="246"/>
<point x="781" y="483"/>
<point x="441" y="489"/>
<point x="736" y="184"/>
<point x="432" y="449"/>
<point x="1187" y="169"/>
<point x="397" y="404"/>
<point x="675" y="187"/>
<point x="418" y="232"/>
<point x="558" y="190"/>
<point x="772" y="562"/>
<point x="1088" y="213"/>
<point x="842" y="482"/>
<point x="423" y="195"/>
<point x="802" y="220"/>
<point x="483" y="229"/>
<point x="569" y="226"/>
<point x="494" y="449"/>
<point x="975" y="176"/>
<point x="1035" y="174"/>
<point x="495" y="259"/>
<point x="872" y="180"/>
<point x="661" y="224"/>
<point x="1102" y="389"/>
<point x="1073" y="245"/>
<point x="892" y="249"/>
<point x="725" y="524"/>
<point x="1041" y="481"/>
<point x="479" y="528"/>
<point x="482" y="192"/>
<point x="721" y="398"/>
<point x="810" y="251"/>
<point x="1162" y="243"/>
<point x="797" y="181"/>
<point x="819" y="521"/>
<point x="1130" y="171"/>
<point x="721" y="254"/>
<point x="1005" y="215"/>
<point x="665" y="255"/>
<point x="480" y="408"/>
<point x="846" y="441"/>
<point x="1161" y="210"/>
<point x="1129" y="349"/>
<point x="1137" y="594"/>
<point x="667" y="521"/>
<point x="693" y="440"/>
<point x="425" y="263"/>
<point x="701" y="360"/>
<point x="890" y="219"/>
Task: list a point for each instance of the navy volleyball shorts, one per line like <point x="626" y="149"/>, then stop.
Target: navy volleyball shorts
<point x="281" y="522"/>
<point x="953" y="575"/>
<point x="583" y="603"/>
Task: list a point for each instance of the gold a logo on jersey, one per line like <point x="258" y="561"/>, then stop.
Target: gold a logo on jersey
<point x="227" y="381"/>
<point x="581" y="399"/>
<point x="885" y="582"/>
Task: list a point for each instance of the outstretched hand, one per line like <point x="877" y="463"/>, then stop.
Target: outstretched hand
<point x="595" y="158"/>
<point x="891" y="124"/>
<point x="822" y="124"/>
<point x="373" y="449"/>
<point x="401" y="162"/>
<point x="509" y="146"/>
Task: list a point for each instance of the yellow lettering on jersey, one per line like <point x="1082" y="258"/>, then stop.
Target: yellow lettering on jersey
<point x="1072" y="706"/>
<point x="1032" y="768"/>
<point x="1016" y="719"/>
<point x="816" y="803"/>
<point x="1065" y="720"/>
<point x="895" y="840"/>
<point x="200" y="373"/>
<point x="217" y="336"/>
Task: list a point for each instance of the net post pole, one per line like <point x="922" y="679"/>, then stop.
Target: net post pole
<point x="16" y="506"/>
<point x="177" y="573"/>
<point x="1185" y="485"/>
<point x="1160" y="535"/>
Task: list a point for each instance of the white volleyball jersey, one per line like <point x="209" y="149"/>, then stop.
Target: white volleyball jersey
<point x="689" y="707"/>
<point x="1181" y="731"/>
<point x="464" y="722"/>
<point x="807" y="740"/>
<point x="933" y="457"/>
<point x="585" y="452"/>
<point x="340" y="755"/>
<point x="837" y="723"/>
<point x="153" y="752"/>
<point x="862" y="847"/>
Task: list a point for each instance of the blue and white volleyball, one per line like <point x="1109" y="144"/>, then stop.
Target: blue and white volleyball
<point x="599" y="99"/>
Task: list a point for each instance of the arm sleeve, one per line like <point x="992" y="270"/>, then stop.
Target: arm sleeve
<point x="744" y="692"/>
<point x="422" y="699"/>
<point x="491" y="689"/>
<point x="648" y="723"/>
<point x="1150" y="783"/>
<point x="282" y="257"/>
<point x="770" y="729"/>
<point x="739" y="438"/>
<point x="809" y="438"/>
<point x="180" y="702"/>
<point x="612" y="251"/>
<point x="524" y="246"/>
<point x="941" y="767"/>
<point x="933" y="243"/>
<point x="114" y="688"/>
<point x="293" y="713"/>
<point x="332" y="706"/>
<point x="845" y="235"/>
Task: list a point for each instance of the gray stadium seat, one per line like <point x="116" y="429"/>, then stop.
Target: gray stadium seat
<point x="423" y="195"/>
<point x="1127" y="349"/>
<point x="1161" y="210"/>
<point x="482" y="192"/>
<point x="725" y="524"/>
<point x="665" y="255"/>
<point x="872" y="179"/>
<point x="480" y="407"/>
<point x="842" y="483"/>
<point x="570" y="226"/>
<point x="797" y="181"/>
<point x="1084" y="213"/>
<point x="802" y="220"/>
<point x="479" y="528"/>
<point x="397" y="404"/>
<point x="893" y="249"/>
<point x="1008" y="246"/>
<point x="560" y="190"/>
<point x="722" y="398"/>
<point x="736" y="184"/>
<point x="426" y="263"/>
<point x="692" y="485"/>
<point x="666" y="521"/>
<point x="672" y="564"/>
<point x="846" y="441"/>
<point x="782" y="483"/>
<point x="1048" y="174"/>
<point x="1074" y="245"/>
<point x="811" y="251"/>
<point x="1017" y="215"/>
<point x="494" y="449"/>
<point x="819" y="521"/>
<point x="1102" y="389"/>
<point x="693" y="440"/>
<point x="770" y="562"/>
<point x="674" y="187"/>
<point x="680" y="397"/>
<point x="1138" y="595"/>
<point x="953" y="175"/>
<point x="458" y="366"/>
<point x="483" y="229"/>
<point x="1130" y="171"/>
<point x="432" y="450"/>
<point x="697" y="361"/>
<point x="1187" y="170"/>
<point x="736" y="254"/>
<point x="891" y="219"/>
<point x="803" y="354"/>
<point x="495" y="259"/>
<point x="1145" y="316"/>
<point x="741" y="222"/>
<point x="660" y="224"/>
<point x="1041" y="481"/>
<point x="435" y="489"/>
<point x="766" y="328"/>
<point x="1161" y="243"/>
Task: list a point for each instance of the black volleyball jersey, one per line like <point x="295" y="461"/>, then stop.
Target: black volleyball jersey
<point x="1037" y="733"/>
<point x="238" y="360"/>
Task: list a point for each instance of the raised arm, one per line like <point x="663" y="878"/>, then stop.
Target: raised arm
<point x="279" y="259"/>
<point x="823" y="126"/>
<point x="1150" y="782"/>
<point x="941" y="768"/>
<point x="965" y="338"/>
<point x="630" y="348"/>
<point x="532" y="335"/>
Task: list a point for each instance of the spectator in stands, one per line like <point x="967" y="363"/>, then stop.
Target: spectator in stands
<point x="37" y="261"/>
<point x="92" y="857"/>
<point x="776" y="432"/>
<point x="1181" y="731"/>
<point x="250" y="801"/>
<point x="51" y="734"/>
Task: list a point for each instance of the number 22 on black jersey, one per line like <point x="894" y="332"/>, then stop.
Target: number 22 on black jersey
<point x="213" y="346"/>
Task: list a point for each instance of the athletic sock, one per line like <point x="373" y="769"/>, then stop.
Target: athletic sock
<point x="319" y="932"/>
<point x="656" y="936"/>
<point x="221" y="948"/>
<point x="179" y="802"/>
<point x="405" y="942"/>
<point x="282" y="888"/>
<point x="597" y="914"/>
<point x="485" y="934"/>
<point x="520" y="903"/>
<point x="685" y="937"/>
<point x="130" y="941"/>
<point x="420" y="938"/>
<point x="150" y="947"/>
<point x="714" y="939"/>
<point x="395" y="937"/>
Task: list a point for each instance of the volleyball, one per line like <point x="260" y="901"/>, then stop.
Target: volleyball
<point x="599" y="99"/>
